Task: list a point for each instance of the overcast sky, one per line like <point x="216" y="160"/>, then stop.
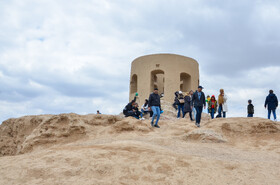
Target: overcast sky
<point x="61" y="56"/>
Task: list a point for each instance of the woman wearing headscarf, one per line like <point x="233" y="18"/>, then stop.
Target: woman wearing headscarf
<point x="212" y="106"/>
<point x="222" y="101"/>
<point x="180" y="103"/>
<point x="188" y="106"/>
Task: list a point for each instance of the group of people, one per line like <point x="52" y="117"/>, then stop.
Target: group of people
<point x="193" y="103"/>
<point x="132" y="109"/>
<point x="151" y="106"/>
<point x="271" y="104"/>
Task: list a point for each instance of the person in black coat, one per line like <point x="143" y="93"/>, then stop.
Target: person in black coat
<point x="198" y="101"/>
<point x="271" y="103"/>
<point x="188" y="106"/>
<point x="128" y="110"/>
<point x="175" y="100"/>
<point x="154" y="105"/>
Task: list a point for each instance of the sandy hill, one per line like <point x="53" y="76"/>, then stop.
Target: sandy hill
<point x="106" y="149"/>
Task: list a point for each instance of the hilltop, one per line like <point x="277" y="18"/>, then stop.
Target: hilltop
<point x="107" y="149"/>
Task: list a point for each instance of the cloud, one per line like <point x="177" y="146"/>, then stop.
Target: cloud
<point x="64" y="56"/>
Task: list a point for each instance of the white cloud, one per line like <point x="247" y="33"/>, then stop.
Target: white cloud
<point x="64" y="56"/>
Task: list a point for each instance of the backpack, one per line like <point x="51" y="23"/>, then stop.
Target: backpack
<point x="181" y="100"/>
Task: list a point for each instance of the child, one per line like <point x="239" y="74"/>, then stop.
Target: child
<point x="207" y="101"/>
<point x="250" y="109"/>
<point x="137" y="114"/>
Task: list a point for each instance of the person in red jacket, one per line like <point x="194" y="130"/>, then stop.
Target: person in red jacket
<point x="212" y="106"/>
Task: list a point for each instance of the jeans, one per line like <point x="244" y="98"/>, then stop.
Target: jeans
<point x="138" y="115"/>
<point x="180" y="108"/>
<point x="198" y="113"/>
<point x="130" y="113"/>
<point x="273" y="111"/>
<point x="194" y="113"/>
<point x="250" y="115"/>
<point x="220" y="112"/>
<point x="156" y="113"/>
<point x="212" y="112"/>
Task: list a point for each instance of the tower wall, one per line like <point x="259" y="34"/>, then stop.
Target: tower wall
<point x="176" y="72"/>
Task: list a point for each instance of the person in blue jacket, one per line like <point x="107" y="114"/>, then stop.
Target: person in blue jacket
<point x="271" y="103"/>
<point x="198" y="101"/>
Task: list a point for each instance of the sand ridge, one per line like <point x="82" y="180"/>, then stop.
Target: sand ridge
<point x="109" y="149"/>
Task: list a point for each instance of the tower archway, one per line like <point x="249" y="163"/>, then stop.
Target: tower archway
<point x="185" y="82"/>
<point x="133" y="84"/>
<point x="157" y="80"/>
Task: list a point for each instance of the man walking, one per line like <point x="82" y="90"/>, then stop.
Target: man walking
<point x="271" y="103"/>
<point x="154" y="105"/>
<point x="198" y="101"/>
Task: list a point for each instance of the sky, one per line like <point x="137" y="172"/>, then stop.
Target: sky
<point x="62" y="56"/>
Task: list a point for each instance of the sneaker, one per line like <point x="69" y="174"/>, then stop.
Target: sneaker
<point x="157" y="126"/>
<point x="275" y="120"/>
<point x="152" y="124"/>
<point x="143" y="118"/>
<point x="198" y="125"/>
<point x="178" y="118"/>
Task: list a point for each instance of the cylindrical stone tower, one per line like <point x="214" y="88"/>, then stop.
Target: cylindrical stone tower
<point x="168" y="72"/>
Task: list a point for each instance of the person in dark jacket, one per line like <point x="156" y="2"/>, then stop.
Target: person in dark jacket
<point x="188" y="106"/>
<point x="137" y="113"/>
<point x="154" y="105"/>
<point x="198" y="101"/>
<point x="250" y="109"/>
<point x="180" y="103"/>
<point x="271" y="103"/>
<point x="175" y="100"/>
<point x="128" y="110"/>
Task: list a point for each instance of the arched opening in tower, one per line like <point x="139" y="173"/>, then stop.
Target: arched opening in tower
<point x="157" y="81"/>
<point x="133" y="84"/>
<point x="185" y="85"/>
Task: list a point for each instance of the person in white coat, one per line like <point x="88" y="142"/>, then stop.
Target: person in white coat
<point x="222" y="101"/>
